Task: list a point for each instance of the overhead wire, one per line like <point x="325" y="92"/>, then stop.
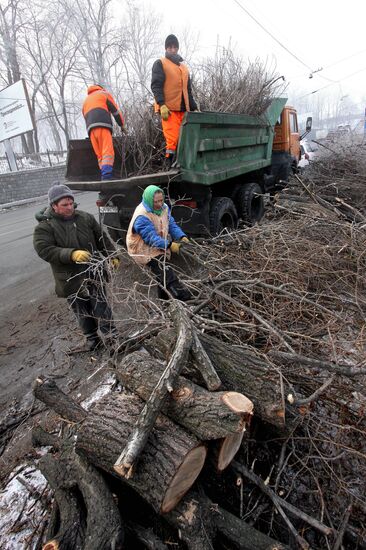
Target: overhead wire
<point x="272" y="35"/>
<point x="335" y="82"/>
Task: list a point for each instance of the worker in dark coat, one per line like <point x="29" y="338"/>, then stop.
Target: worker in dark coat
<point x="172" y="89"/>
<point x="67" y="239"/>
<point x="97" y="110"/>
<point x="152" y="236"/>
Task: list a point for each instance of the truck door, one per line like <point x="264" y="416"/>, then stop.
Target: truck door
<point x="294" y="135"/>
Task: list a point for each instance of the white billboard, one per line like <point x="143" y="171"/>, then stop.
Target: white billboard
<point x="15" y="116"/>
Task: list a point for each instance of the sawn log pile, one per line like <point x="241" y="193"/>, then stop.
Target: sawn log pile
<point x="267" y="363"/>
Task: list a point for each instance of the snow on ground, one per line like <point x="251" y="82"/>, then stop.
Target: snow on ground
<point x="22" y="508"/>
<point x="103" y="389"/>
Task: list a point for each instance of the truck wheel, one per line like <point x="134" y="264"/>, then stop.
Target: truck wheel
<point x="222" y="215"/>
<point x="249" y="203"/>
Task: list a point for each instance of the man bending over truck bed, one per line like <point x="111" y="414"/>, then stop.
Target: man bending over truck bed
<point x="97" y="110"/>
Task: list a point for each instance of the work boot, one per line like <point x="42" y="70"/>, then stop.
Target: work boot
<point x="168" y="161"/>
<point x="180" y="292"/>
<point x="93" y="343"/>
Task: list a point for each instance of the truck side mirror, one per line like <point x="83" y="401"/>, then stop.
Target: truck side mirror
<point x="309" y="123"/>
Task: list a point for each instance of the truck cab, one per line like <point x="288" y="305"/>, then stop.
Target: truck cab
<point x="286" y="143"/>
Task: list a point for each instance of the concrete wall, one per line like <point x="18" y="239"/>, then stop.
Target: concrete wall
<point x="27" y="184"/>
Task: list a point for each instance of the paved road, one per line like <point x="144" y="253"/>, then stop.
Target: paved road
<point x="24" y="277"/>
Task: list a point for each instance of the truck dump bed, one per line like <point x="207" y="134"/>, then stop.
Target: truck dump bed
<point x="213" y="147"/>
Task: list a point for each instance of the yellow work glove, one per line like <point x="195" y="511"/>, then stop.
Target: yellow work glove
<point x="115" y="263"/>
<point x="174" y="247"/>
<point x="184" y="240"/>
<point x="80" y="256"/>
<point x="164" y="112"/>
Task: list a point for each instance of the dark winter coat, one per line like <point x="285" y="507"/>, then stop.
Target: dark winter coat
<point x="157" y="84"/>
<point x="54" y="240"/>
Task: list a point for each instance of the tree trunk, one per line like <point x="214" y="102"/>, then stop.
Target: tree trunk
<point x="208" y="415"/>
<point x="169" y="464"/>
<point x="199" y="519"/>
<point x="144" y="424"/>
<point x="239" y="370"/>
<point x="68" y="472"/>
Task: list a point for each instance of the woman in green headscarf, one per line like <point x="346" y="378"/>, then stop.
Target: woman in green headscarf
<point x="151" y="238"/>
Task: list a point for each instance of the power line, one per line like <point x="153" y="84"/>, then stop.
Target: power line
<point x="272" y="35"/>
<point x="332" y="83"/>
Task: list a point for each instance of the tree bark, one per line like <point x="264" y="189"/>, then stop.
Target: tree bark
<point x="169" y="464"/>
<point x="47" y="391"/>
<point x="66" y="472"/>
<point x="204" y="364"/>
<point x="239" y="370"/>
<point x="199" y="519"/>
<point x="138" y="437"/>
<point x="208" y="415"/>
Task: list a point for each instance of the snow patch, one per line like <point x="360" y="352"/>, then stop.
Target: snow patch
<point x="100" y="392"/>
<point x="21" y="509"/>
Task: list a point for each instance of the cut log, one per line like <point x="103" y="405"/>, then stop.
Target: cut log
<point x="239" y="370"/>
<point x="68" y="471"/>
<point x="225" y="450"/>
<point x="47" y="391"/>
<point x="170" y="463"/>
<point x="137" y="439"/>
<point x="208" y="415"/>
<point x="199" y="519"/>
<point x="71" y="528"/>
<point x="146" y="536"/>
<point x="204" y="364"/>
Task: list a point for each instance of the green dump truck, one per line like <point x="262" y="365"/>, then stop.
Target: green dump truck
<point x="225" y="164"/>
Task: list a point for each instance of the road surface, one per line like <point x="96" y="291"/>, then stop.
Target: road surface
<point x="24" y="277"/>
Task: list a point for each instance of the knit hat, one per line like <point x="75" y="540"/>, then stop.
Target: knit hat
<point x="171" y="40"/>
<point x="59" y="191"/>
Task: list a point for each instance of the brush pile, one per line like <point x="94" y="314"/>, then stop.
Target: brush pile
<point x="266" y="362"/>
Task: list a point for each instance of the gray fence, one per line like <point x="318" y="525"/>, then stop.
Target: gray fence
<point x="34" y="161"/>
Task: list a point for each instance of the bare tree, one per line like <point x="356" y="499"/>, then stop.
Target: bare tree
<point x="139" y="46"/>
<point x="11" y="24"/>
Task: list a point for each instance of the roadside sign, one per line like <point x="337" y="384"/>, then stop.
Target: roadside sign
<point x="15" y="114"/>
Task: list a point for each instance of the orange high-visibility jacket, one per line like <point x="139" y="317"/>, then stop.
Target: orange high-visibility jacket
<point x="175" y="85"/>
<point x="98" y="108"/>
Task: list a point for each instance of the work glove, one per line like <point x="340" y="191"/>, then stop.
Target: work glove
<point x="80" y="256"/>
<point x="174" y="247"/>
<point x="184" y="240"/>
<point x="115" y="263"/>
<point x="164" y="112"/>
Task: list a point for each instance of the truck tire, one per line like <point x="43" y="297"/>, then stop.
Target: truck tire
<point x="249" y="203"/>
<point x="223" y="215"/>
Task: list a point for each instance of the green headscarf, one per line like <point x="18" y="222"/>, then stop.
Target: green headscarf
<point x="148" y="198"/>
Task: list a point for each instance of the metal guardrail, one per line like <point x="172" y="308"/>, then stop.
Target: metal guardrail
<point x="34" y="161"/>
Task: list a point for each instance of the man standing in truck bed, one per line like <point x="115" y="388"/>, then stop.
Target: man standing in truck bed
<point x="171" y="86"/>
<point x="97" y="110"/>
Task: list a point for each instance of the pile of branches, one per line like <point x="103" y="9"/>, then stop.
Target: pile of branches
<point x="286" y="298"/>
<point x="338" y="174"/>
<point x="224" y="83"/>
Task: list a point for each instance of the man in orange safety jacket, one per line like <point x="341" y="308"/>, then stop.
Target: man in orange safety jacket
<point x="171" y="86"/>
<point x="97" y="110"/>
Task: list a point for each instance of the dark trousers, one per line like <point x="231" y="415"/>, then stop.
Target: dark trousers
<point x="166" y="277"/>
<point x="92" y="312"/>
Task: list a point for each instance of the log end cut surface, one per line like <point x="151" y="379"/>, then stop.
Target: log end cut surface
<point x="238" y="403"/>
<point x="229" y="447"/>
<point x="184" y="478"/>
